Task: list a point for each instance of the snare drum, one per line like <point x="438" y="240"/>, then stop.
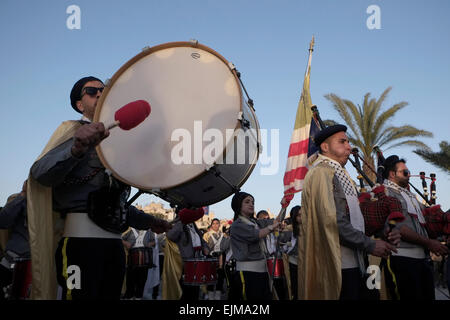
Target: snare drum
<point x="21" y="281"/>
<point x="279" y="268"/>
<point x="140" y="257"/>
<point x="197" y="272"/>
<point x="202" y="137"/>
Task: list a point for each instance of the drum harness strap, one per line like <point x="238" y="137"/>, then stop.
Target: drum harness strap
<point x="139" y="237"/>
<point x="217" y="241"/>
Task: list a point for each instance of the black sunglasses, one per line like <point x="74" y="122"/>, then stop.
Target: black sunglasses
<point x="92" y="91"/>
<point x="406" y="172"/>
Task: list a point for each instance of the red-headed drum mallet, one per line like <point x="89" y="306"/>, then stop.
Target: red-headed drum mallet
<point x="131" y="115"/>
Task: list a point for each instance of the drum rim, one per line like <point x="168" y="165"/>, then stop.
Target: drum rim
<point x="245" y="176"/>
<point x="145" y="52"/>
<point x="258" y="149"/>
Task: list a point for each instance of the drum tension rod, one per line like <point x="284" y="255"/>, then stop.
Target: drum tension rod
<point x="136" y="195"/>
<point x="249" y="101"/>
<point x="245" y="123"/>
<point x="165" y="196"/>
<point x="218" y="174"/>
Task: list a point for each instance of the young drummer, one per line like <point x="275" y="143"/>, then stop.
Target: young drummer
<point x="251" y="281"/>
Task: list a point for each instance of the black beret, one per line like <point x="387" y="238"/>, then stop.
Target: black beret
<point x="236" y="202"/>
<point x="75" y="94"/>
<point x="322" y="135"/>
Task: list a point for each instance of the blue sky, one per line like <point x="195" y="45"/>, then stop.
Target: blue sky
<point x="267" y="41"/>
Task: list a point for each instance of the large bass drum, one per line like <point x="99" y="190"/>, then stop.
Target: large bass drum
<point x="201" y="141"/>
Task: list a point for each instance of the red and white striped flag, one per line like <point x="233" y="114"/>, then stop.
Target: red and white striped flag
<point x="296" y="166"/>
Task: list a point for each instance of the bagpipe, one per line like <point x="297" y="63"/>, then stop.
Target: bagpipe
<point x="377" y="207"/>
<point x="432" y="177"/>
<point x="437" y="221"/>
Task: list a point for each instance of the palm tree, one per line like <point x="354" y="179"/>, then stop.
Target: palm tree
<point x="439" y="159"/>
<point x="369" y="126"/>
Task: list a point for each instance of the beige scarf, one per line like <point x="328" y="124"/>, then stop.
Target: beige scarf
<point x="356" y="217"/>
<point x="412" y="204"/>
<point x="45" y="227"/>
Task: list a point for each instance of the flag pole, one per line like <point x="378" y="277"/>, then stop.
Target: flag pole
<point x="311" y="49"/>
<point x="282" y="212"/>
<point x="303" y="120"/>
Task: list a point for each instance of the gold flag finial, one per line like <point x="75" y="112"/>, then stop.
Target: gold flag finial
<point x="311" y="44"/>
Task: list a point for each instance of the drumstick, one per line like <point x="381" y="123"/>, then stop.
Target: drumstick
<point x="131" y="115"/>
<point x="280" y="218"/>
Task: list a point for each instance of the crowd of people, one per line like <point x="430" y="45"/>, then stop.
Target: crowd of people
<point x="70" y="234"/>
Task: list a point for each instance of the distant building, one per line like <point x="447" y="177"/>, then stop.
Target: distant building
<point x="158" y="210"/>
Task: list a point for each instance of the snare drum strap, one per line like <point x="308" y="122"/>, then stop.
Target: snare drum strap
<point x="196" y="241"/>
<point x="217" y="241"/>
<point x="139" y="236"/>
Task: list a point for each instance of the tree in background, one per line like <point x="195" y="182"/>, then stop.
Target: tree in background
<point x="369" y="127"/>
<point x="439" y="159"/>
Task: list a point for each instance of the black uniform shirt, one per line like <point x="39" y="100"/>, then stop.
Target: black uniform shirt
<point x="72" y="179"/>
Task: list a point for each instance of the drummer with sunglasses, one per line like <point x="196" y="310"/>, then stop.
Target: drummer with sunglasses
<point x="70" y="179"/>
<point x="410" y="266"/>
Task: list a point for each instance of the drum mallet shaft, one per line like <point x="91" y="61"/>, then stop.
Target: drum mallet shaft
<point x="113" y="125"/>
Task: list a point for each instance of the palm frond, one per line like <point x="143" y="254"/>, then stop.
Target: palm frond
<point x="415" y="143"/>
<point x="406" y="131"/>
<point x="355" y="142"/>
<point x="439" y="159"/>
<point x="368" y="126"/>
<point x="341" y="108"/>
<point x="368" y="123"/>
<point x="380" y="100"/>
<point x="355" y="112"/>
<point x="386" y="115"/>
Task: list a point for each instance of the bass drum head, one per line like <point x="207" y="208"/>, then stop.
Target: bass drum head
<point x="191" y="89"/>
